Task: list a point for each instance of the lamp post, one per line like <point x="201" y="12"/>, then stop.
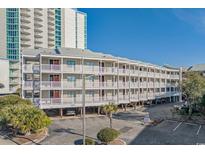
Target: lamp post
<point x="83" y="101"/>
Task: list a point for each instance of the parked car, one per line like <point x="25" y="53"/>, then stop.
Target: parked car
<point x="70" y="113"/>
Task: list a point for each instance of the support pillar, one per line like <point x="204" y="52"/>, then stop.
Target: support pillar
<point x="61" y="112"/>
<point x="125" y="107"/>
<point x="81" y="112"/>
<point x="98" y="110"/>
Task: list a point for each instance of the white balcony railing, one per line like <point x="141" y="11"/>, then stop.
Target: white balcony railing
<point x="51" y="67"/>
<point x="50" y="84"/>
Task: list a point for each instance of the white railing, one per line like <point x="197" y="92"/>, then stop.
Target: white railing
<point x="143" y="84"/>
<point x="157" y="84"/>
<point x="123" y="71"/>
<point x="108" y="70"/>
<point x="143" y="74"/>
<point x="72" y="69"/>
<point x="157" y="75"/>
<point x="50" y="84"/>
<point x="67" y="85"/>
<point x="28" y="84"/>
<point x="150" y="74"/>
<point x="134" y="85"/>
<point x="124" y="97"/>
<point x="123" y="84"/>
<point x="163" y="84"/>
<point x="150" y="84"/>
<point x="142" y="96"/>
<point x="91" y="69"/>
<point x="51" y="67"/>
<point x="134" y="96"/>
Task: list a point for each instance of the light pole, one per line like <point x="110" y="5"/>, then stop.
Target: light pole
<point x="83" y="101"/>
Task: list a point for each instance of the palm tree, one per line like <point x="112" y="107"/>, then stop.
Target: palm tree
<point x="109" y="109"/>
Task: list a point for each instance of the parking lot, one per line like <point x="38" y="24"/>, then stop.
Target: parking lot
<point x="171" y="133"/>
<point x="129" y="123"/>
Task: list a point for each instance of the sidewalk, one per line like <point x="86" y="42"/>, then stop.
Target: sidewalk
<point x="5" y="141"/>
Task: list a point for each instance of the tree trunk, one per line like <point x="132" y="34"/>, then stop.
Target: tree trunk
<point x="110" y="116"/>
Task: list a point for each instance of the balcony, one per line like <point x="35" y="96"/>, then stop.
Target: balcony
<point x="143" y="74"/>
<point x="134" y="97"/>
<point x="51" y="85"/>
<point x="157" y="75"/>
<point x="123" y="85"/>
<point x="108" y="84"/>
<point x="123" y="97"/>
<point x="30" y="68"/>
<point x="51" y="68"/>
<point x="143" y="84"/>
<point x="150" y="74"/>
<point x="91" y="70"/>
<point x="143" y="96"/>
<point x="75" y="101"/>
<point x="72" y="69"/>
<point x="163" y="84"/>
<point x="123" y="71"/>
<point x="14" y="74"/>
<point x="134" y="84"/>
<point x="150" y="84"/>
<point x="108" y="70"/>
<point x="151" y="95"/>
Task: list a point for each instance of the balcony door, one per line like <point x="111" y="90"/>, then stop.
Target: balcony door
<point x="54" y="77"/>
<point x="54" y="62"/>
<point x="55" y="94"/>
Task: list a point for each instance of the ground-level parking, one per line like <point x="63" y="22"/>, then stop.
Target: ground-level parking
<point x="172" y="133"/>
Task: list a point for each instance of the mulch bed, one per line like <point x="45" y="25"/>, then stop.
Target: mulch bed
<point x="117" y="142"/>
<point x="32" y="138"/>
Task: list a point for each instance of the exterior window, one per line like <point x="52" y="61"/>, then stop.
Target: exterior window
<point x="71" y="63"/>
<point x="57" y="27"/>
<point x="12" y="31"/>
<point x="71" y="94"/>
<point x="71" y="78"/>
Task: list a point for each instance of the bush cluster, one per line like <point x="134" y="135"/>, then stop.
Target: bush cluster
<point x="22" y="115"/>
<point x="107" y="135"/>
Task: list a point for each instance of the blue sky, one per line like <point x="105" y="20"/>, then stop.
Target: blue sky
<point x="161" y="36"/>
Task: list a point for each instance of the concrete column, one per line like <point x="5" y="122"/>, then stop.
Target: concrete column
<point x="81" y="111"/>
<point x="125" y="107"/>
<point x="98" y="110"/>
<point x="61" y="112"/>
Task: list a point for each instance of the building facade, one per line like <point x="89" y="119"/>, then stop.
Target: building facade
<point x="34" y="28"/>
<point x="54" y="79"/>
<point x="4" y="75"/>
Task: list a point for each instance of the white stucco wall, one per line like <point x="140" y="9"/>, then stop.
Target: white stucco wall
<point x="4" y="76"/>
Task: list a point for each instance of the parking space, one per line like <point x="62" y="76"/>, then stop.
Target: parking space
<point x="172" y="133"/>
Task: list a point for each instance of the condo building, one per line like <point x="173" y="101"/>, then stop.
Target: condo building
<point x="53" y="79"/>
<point x="34" y="28"/>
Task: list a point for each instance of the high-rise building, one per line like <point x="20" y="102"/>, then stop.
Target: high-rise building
<point x="34" y="28"/>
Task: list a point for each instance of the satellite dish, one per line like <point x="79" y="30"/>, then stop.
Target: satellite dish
<point x="2" y="85"/>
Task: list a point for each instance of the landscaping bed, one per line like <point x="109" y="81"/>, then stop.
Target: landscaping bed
<point x="34" y="138"/>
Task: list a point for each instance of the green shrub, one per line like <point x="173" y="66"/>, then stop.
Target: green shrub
<point x="25" y="118"/>
<point x="107" y="135"/>
<point x="13" y="100"/>
<point x="89" y="141"/>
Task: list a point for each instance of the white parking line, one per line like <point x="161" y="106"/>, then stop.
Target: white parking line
<point x="198" y="130"/>
<point x="191" y="124"/>
<point x="177" y="126"/>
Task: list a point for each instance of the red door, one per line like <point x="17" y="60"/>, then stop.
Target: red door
<point x="55" y="94"/>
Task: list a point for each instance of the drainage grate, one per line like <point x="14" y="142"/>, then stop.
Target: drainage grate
<point x="125" y="129"/>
